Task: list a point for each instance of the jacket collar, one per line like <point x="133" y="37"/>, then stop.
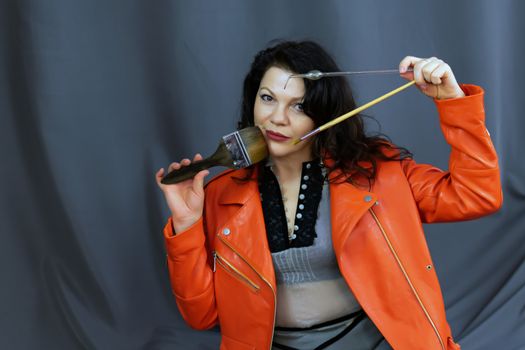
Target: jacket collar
<point x="344" y="195"/>
<point x="348" y="204"/>
<point x="239" y="192"/>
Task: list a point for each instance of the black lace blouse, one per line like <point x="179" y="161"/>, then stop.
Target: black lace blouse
<point x="312" y="179"/>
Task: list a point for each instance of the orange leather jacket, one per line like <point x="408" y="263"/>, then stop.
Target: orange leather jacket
<point x="221" y="268"/>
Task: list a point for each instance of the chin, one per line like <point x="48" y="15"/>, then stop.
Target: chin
<point x="277" y="154"/>
<point x="281" y="151"/>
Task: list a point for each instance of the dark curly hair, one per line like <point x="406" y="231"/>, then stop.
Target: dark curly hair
<point x="349" y="147"/>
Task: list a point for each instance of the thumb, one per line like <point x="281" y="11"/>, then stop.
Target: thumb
<point x="407" y="76"/>
<point x="158" y="176"/>
<point x="198" y="181"/>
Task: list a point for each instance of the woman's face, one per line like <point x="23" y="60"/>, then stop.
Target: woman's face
<point x="279" y="111"/>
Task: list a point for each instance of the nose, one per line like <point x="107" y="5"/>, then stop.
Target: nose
<point x="279" y="116"/>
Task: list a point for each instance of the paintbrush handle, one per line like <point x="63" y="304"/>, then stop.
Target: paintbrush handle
<point x="366" y="105"/>
<point x="188" y="172"/>
<point x="355" y="111"/>
<point x="221" y="156"/>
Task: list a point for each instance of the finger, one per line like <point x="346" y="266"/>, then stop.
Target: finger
<point x="405" y="65"/>
<point x="407" y="62"/>
<point x="418" y="73"/>
<point x="441" y="73"/>
<point x="428" y="68"/>
<point x="185" y="162"/>
<point x="173" y="166"/>
<point x="198" y="181"/>
<point x="197" y="157"/>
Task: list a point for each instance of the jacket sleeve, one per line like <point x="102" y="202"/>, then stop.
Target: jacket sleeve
<point x="190" y="274"/>
<point x="471" y="188"/>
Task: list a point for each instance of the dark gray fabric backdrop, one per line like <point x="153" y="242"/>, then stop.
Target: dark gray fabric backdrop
<point x="95" y="96"/>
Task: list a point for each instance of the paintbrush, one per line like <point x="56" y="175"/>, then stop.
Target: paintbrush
<point x="237" y="150"/>
<point x="353" y="112"/>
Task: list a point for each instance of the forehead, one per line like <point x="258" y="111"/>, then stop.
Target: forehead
<point x="275" y="79"/>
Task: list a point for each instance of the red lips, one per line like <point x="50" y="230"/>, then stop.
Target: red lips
<point x="272" y="135"/>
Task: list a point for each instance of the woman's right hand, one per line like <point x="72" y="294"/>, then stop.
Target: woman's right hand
<point x="185" y="199"/>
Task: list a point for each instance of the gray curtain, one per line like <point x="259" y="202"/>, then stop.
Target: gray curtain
<point x="95" y="96"/>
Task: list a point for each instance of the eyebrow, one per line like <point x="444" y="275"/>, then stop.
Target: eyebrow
<point x="270" y="90"/>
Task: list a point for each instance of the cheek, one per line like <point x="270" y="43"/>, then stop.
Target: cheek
<point x="307" y="125"/>
<point x="260" y="114"/>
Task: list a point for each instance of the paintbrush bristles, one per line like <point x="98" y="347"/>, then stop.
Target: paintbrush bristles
<point x="255" y="144"/>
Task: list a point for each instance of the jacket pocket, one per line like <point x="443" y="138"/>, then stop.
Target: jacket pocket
<point x="235" y="273"/>
<point x="451" y="345"/>
<point x="228" y="343"/>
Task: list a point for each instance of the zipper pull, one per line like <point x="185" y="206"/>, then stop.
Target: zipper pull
<point x="214" y="261"/>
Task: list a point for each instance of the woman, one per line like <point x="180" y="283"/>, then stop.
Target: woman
<point x="321" y="245"/>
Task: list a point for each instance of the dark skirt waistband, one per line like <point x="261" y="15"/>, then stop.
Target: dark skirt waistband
<point x="351" y="321"/>
<point x="321" y="325"/>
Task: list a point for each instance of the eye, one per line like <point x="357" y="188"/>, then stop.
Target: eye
<point x="266" y="97"/>
<point x="299" y="107"/>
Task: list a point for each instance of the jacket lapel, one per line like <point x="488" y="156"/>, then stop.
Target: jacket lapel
<point x="247" y="231"/>
<point x="347" y="205"/>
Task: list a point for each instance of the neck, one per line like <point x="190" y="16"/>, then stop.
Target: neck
<point x="288" y="168"/>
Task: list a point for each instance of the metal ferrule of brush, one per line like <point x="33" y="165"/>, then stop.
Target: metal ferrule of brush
<point x="237" y="149"/>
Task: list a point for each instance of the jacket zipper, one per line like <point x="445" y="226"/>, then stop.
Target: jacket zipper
<point x="407" y="277"/>
<point x="260" y="276"/>
<point x="234" y="271"/>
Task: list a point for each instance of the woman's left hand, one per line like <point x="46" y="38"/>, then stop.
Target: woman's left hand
<point x="433" y="77"/>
